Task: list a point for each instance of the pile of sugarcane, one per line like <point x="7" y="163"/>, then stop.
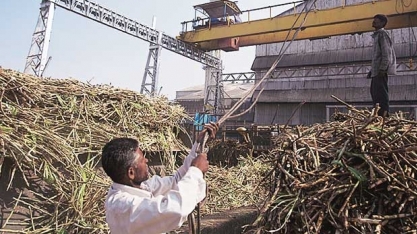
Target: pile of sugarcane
<point x="227" y="152"/>
<point x="54" y="129"/>
<point x="357" y="174"/>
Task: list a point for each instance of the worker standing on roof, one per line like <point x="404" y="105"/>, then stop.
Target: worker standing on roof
<point x="383" y="64"/>
<point x="136" y="204"/>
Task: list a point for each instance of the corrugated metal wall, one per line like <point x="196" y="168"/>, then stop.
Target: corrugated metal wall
<point x="289" y="113"/>
<point x="287" y="93"/>
<point x="404" y="35"/>
<point x="351" y="88"/>
<point x="192" y="106"/>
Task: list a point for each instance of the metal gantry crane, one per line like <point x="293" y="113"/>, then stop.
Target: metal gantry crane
<point x="37" y="58"/>
<point x="213" y="88"/>
<point x="346" y="19"/>
<point x="227" y="33"/>
<point x="223" y="29"/>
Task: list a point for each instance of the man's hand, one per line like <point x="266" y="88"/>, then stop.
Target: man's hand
<point x="369" y="76"/>
<point x="211" y="128"/>
<point x="201" y="162"/>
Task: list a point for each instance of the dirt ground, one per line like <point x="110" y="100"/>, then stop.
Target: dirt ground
<point x="228" y="222"/>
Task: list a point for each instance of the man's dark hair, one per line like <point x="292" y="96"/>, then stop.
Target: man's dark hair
<point x="383" y="18"/>
<point x="117" y="156"/>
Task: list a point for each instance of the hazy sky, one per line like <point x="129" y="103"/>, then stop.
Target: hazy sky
<point x="88" y="51"/>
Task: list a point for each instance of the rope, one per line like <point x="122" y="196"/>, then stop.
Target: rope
<point x="268" y="73"/>
<point x="196" y="229"/>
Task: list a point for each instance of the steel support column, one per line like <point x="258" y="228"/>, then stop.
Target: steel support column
<point x="150" y="76"/>
<point x="37" y="59"/>
<point x="214" y="92"/>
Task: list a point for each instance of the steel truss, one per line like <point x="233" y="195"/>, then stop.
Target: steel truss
<point x="114" y="20"/>
<point x="214" y="92"/>
<point x="150" y="76"/>
<point x="37" y="59"/>
<point x="336" y="70"/>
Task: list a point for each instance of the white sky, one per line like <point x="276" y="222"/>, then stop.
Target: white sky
<point x="88" y="51"/>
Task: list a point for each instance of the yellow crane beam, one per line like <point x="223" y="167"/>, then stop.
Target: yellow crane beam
<point x="322" y="23"/>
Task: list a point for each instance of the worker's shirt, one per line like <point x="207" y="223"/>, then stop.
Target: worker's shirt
<point x="161" y="204"/>
<point x="383" y="57"/>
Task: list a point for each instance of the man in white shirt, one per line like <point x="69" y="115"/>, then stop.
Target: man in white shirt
<point x="137" y="204"/>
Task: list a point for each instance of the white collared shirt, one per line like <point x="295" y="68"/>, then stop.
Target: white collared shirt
<point x="161" y="204"/>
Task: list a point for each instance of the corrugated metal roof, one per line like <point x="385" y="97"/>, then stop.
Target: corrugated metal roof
<point x="231" y="91"/>
<point x="353" y="55"/>
<point x="190" y="95"/>
<point x="236" y="91"/>
<point x="192" y="88"/>
<point x="188" y="92"/>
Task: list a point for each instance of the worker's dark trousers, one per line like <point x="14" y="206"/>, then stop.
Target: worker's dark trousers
<point x="379" y="93"/>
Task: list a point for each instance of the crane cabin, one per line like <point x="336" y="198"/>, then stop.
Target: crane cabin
<point x="215" y="14"/>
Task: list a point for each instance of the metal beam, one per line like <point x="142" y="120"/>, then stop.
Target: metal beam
<point x="150" y="76"/>
<point x="117" y="21"/>
<point x="37" y="59"/>
<point x="403" y="66"/>
<point x="213" y="90"/>
<point x="322" y="23"/>
<point x="243" y="77"/>
<point x="317" y="32"/>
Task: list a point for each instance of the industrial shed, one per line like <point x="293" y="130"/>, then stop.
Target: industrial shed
<point x="313" y="70"/>
<point x="192" y="99"/>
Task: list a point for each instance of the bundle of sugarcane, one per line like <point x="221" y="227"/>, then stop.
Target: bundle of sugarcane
<point x="226" y="153"/>
<point x="54" y="129"/>
<point x="354" y="175"/>
<point x="235" y="186"/>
